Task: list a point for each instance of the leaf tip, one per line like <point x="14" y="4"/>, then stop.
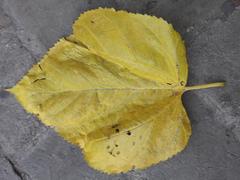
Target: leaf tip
<point x="9" y="90"/>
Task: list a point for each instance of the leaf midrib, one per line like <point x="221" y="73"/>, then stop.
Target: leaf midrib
<point x="179" y="88"/>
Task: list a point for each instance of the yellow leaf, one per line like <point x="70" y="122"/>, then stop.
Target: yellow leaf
<point x="114" y="88"/>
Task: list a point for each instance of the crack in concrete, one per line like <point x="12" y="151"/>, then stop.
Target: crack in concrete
<point x="20" y="174"/>
<point x="6" y="11"/>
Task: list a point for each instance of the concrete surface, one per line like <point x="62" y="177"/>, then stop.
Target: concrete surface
<point x="211" y="29"/>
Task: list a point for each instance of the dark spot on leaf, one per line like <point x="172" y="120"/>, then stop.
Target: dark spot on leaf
<point x="182" y="83"/>
<point x="129" y="133"/>
<point x="116" y="145"/>
<point x="133" y="143"/>
<point x="140" y="137"/>
<point x="40" y="67"/>
<point x="117" y="130"/>
<point x="92" y="22"/>
<point x="108" y="147"/>
<point x="169" y="83"/>
<point x="111" y="153"/>
<point x="118" y="152"/>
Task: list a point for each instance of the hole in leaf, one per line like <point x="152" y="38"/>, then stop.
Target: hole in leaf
<point x="129" y="133"/>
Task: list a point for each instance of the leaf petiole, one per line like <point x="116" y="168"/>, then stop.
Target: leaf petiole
<point x="204" y="86"/>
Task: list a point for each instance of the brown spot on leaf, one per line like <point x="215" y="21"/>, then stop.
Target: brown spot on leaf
<point x="129" y="133"/>
<point x="111" y="153"/>
<point x="40" y="67"/>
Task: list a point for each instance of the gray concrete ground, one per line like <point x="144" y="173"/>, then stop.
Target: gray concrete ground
<point x="211" y="29"/>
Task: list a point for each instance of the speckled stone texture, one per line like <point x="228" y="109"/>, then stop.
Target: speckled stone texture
<point x="211" y="30"/>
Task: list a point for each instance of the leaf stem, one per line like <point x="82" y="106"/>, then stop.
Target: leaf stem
<point x="204" y="86"/>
